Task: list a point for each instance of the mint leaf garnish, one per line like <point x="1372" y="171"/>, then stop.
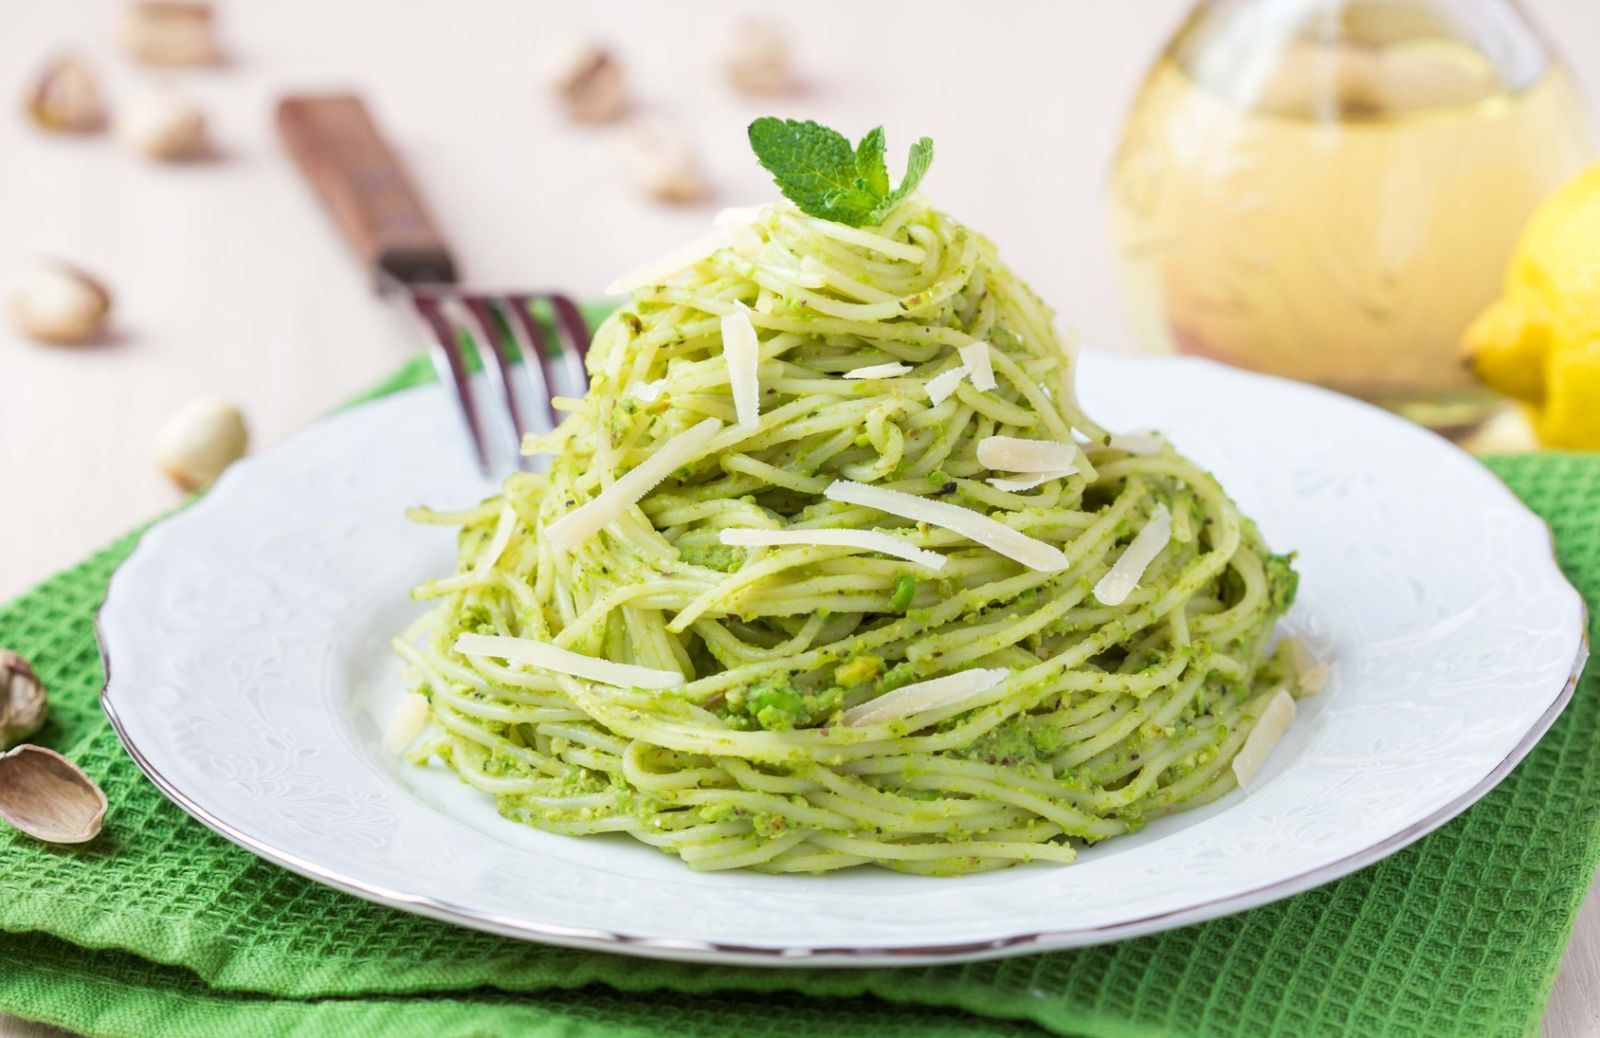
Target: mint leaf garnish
<point x="916" y="168"/>
<point x="869" y="163"/>
<point x="818" y="170"/>
<point x="815" y="167"/>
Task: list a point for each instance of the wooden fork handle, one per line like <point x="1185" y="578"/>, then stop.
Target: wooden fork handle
<point x="365" y="188"/>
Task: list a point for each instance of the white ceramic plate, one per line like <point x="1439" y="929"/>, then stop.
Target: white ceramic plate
<point x="250" y="677"/>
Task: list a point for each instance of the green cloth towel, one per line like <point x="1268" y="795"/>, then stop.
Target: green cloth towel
<point x="160" y="927"/>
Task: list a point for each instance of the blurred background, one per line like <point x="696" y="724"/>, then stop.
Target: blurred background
<point x="227" y="281"/>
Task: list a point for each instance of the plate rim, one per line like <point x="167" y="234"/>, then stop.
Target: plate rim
<point x="706" y="951"/>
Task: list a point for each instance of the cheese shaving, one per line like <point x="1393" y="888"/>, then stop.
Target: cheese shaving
<point x="889" y="370"/>
<point x="563" y="661"/>
<point x="736" y="223"/>
<point x="406" y="723"/>
<point x="1275" y="720"/>
<point x="923" y="696"/>
<point x="1312" y="673"/>
<point x="1028" y="482"/>
<point x="1144" y="441"/>
<point x="1124" y="575"/>
<point x="1009" y="454"/>
<point x="648" y="392"/>
<point x="863" y="540"/>
<point x="995" y="536"/>
<point x="587" y="520"/>
<point x="742" y="351"/>
<point x="976" y="356"/>
<point x="941" y="386"/>
<point x="661" y="269"/>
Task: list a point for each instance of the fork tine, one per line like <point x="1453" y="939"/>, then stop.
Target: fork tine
<point x="575" y="337"/>
<point x="448" y="313"/>
<point x="452" y="369"/>
<point x="497" y="365"/>
<point x="532" y="342"/>
<point x="529" y="339"/>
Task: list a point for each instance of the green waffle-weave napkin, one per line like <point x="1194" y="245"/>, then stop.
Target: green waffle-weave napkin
<point x="161" y="927"/>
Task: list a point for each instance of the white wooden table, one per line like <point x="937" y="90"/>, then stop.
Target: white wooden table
<point x="229" y="281"/>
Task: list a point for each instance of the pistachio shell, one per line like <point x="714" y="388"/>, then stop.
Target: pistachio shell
<point x="755" y="55"/>
<point x="49" y="797"/>
<point x="164" y="126"/>
<point x="588" y="80"/>
<point x="58" y="303"/>
<point x="199" y="441"/>
<point x="23" y="705"/>
<point x="64" y="97"/>
<point x="659" y="162"/>
<point x="169" y="32"/>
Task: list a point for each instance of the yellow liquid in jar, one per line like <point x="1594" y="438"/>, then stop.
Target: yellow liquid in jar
<point x="1346" y="226"/>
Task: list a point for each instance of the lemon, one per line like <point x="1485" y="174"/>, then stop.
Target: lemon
<point x="1540" y="341"/>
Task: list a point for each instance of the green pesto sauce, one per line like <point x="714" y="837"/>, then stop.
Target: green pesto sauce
<point x="719" y="557"/>
<point x="773" y="704"/>
<point x="859" y="671"/>
<point x="1022" y="743"/>
<point x="1282" y="582"/>
<point x="905" y="592"/>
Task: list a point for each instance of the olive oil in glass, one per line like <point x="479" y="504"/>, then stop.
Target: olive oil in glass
<point x="1329" y="191"/>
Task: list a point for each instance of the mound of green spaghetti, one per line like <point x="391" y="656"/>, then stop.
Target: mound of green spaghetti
<point x="828" y="568"/>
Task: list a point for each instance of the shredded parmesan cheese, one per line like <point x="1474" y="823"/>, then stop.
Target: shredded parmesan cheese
<point x="1124" y="575"/>
<point x="1145" y="441"/>
<point x="648" y="392"/>
<point x="664" y="267"/>
<point x="889" y="370"/>
<point x="864" y="540"/>
<point x="976" y="357"/>
<point x="406" y="723"/>
<point x="563" y="661"/>
<point x="736" y="223"/>
<point x="1275" y="720"/>
<point x="995" y="536"/>
<point x="1312" y="673"/>
<point x="1009" y="454"/>
<point x="924" y="695"/>
<point x="1028" y="482"/>
<point x="941" y="386"/>
<point x="585" y="521"/>
<point x="742" y="351"/>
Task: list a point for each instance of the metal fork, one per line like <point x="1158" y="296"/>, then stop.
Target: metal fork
<point x="453" y="316"/>
<point x="362" y="183"/>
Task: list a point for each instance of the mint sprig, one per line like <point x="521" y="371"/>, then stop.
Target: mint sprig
<point x="818" y="170"/>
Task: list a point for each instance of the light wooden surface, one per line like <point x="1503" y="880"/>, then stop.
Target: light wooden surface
<point x="229" y="282"/>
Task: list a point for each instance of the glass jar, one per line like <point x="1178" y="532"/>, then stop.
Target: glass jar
<point x="1329" y="190"/>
